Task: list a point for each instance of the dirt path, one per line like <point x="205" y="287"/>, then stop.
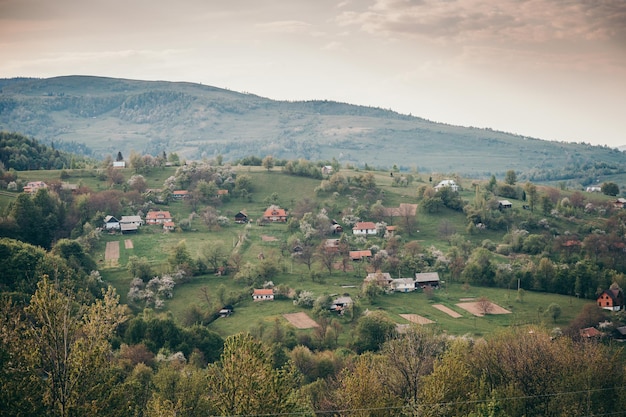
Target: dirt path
<point x="112" y="253"/>
<point x="447" y="310"/>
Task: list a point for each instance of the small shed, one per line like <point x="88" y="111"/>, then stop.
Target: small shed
<point x="504" y="204"/>
<point x="241" y="217"/>
<point x="427" y="279"/>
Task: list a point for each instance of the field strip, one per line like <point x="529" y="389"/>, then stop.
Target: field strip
<point x="112" y="253"/>
<point x="414" y="318"/>
<point x="128" y="244"/>
<point x="447" y="310"/>
<point x="300" y="320"/>
<point x="476" y="310"/>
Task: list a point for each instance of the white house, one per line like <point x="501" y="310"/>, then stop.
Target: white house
<point x="364" y="229"/>
<point x="135" y="220"/>
<point x="403" y="284"/>
<point x="119" y="164"/>
<point x="593" y="189"/>
<point x="447" y="183"/>
<point x="263" y="294"/>
<point x="111" y="223"/>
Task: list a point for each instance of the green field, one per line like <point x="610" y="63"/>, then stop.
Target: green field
<point x="152" y="243"/>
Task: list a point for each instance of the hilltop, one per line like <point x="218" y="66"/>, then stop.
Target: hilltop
<point x="97" y="116"/>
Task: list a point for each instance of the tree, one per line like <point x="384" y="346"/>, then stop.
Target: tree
<point x="484" y="305"/>
<point x="510" y="177"/>
<point x="215" y="255"/>
<point x="362" y="391"/>
<point x="411" y="356"/>
<point x="119" y="157"/>
<point x="372" y="331"/>
<point x="244" y="381"/>
<point x="610" y="188"/>
<point x="554" y="311"/>
<point x="69" y="344"/>
<point x="139" y="268"/>
<point x="268" y="162"/>
<point x="531" y="194"/>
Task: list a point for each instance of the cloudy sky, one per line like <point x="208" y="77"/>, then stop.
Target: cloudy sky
<point x="552" y="69"/>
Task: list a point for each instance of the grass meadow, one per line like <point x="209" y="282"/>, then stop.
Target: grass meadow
<point x="152" y="243"/>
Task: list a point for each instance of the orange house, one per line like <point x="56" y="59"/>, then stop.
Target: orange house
<point x="275" y="214"/>
<point x="612" y="299"/>
<point x="158" y="217"/>
<point x="263" y="294"/>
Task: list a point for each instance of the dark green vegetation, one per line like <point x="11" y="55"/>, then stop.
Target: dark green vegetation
<point x="138" y="331"/>
<point x="101" y="116"/>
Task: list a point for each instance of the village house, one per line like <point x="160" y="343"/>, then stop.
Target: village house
<point x="180" y="194"/>
<point x="593" y="189"/>
<point x="119" y="164"/>
<point x="427" y="279"/>
<point x="263" y="294"/>
<point x="32" y="186"/>
<point x="403" y="284"/>
<point x="331" y="245"/>
<point x="620" y="203"/>
<point x="447" y="183"/>
<point x="611" y="299"/>
<point x="382" y="279"/>
<point x="358" y="255"/>
<point x="275" y="214"/>
<point x="158" y="217"/>
<point x="364" y="229"/>
<point x="504" y="204"/>
<point x="340" y="304"/>
<point x="241" y="217"/>
<point x="169" y="226"/>
<point x="111" y="223"/>
<point x="327" y="170"/>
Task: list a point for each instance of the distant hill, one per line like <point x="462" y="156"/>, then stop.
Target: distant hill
<point x="101" y="116"/>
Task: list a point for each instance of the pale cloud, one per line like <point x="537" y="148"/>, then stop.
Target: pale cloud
<point x="525" y="21"/>
<point x="284" y="26"/>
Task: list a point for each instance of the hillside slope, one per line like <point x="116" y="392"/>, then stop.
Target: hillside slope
<point x="109" y="115"/>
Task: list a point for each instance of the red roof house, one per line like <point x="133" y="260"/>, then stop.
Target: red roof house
<point x="158" y="217"/>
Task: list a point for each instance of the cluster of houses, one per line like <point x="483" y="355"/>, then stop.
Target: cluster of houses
<point x="131" y="224"/>
<point x="421" y="280"/>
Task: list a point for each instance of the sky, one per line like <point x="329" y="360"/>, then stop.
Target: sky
<point x="549" y="69"/>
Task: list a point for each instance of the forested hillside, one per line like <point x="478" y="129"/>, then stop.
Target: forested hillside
<point x="20" y="153"/>
<point x="101" y="116"/>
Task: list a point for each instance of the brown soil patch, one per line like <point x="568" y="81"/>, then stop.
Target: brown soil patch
<point x="475" y="309"/>
<point x="414" y="318"/>
<point x="447" y="310"/>
<point x="300" y="320"/>
<point x="266" y="238"/>
<point x="128" y="244"/>
<point x="112" y="253"/>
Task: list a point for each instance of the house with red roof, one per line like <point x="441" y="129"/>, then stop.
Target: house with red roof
<point x="364" y="229"/>
<point x="611" y="299"/>
<point x="275" y="214"/>
<point x="158" y="217"/>
<point x="263" y="294"/>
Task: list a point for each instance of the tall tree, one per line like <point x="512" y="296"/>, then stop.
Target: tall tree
<point x="511" y="177"/>
<point x="244" y="382"/>
<point x="69" y="345"/>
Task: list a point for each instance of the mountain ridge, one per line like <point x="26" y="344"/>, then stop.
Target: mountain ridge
<point x="198" y="121"/>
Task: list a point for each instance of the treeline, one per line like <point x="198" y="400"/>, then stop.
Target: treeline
<point x="63" y="357"/>
<point x="22" y="154"/>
